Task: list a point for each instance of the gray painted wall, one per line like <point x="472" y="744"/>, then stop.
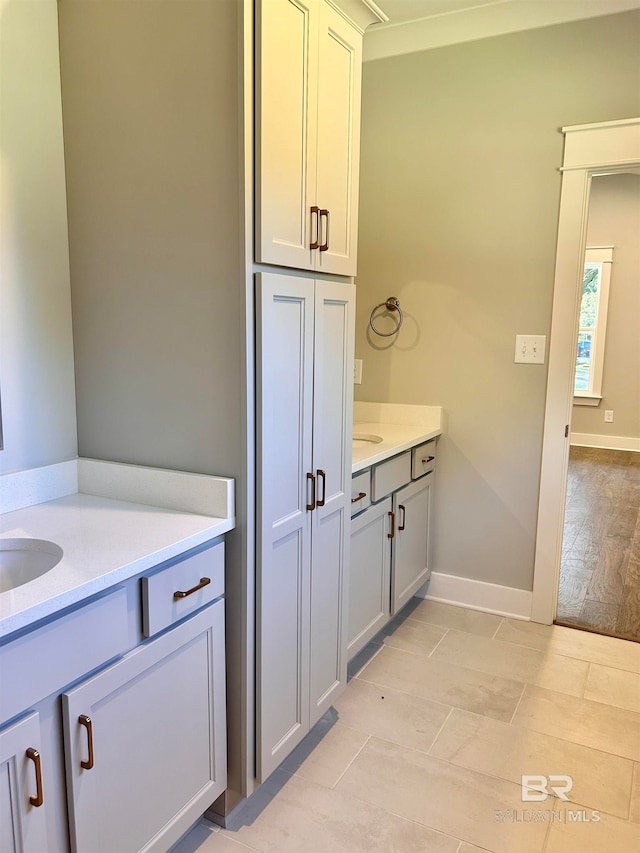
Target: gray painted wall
<point x="152" y="146"/>
<point x="458" y="218"/>
<point x="36" y="351"/>
<point x="614" y="220"/>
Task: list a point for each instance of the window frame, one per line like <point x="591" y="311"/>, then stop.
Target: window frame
<point x="602" y="255"/>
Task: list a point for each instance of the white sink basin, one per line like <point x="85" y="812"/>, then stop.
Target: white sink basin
<point x="24" y="560"/>
<point x="364" y="439"/>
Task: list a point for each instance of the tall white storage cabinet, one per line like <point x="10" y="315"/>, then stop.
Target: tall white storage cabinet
<point x="305" y="357"/>
<point x="307" y="158"/>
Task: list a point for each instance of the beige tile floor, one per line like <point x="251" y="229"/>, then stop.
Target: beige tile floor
<point x="426" y="748"/>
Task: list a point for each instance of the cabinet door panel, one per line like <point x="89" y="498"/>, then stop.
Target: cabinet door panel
<point x="339" y="85"/>
<point x="332" y="421"/>
<point x="287" y="67"/>
<point x="411" y="546"/>
<point x="22" y="826"/>
<point x="159" y="740"/>
<point x="284" y="429"/>
<point x="369" y="576"/>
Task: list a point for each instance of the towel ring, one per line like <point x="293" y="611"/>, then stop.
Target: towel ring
<point x="392" y="304"/>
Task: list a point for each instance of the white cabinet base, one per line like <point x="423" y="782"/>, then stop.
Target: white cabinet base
<point x="157" y="741"/>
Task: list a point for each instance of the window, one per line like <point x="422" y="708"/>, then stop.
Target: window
<point x="593" y="325"/>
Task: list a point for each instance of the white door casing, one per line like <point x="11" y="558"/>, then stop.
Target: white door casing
<point x="589" y="150"/>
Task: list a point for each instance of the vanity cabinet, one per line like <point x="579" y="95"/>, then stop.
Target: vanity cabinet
<point x="410" y="544"/>
<point x="145" y="740"/>
<point x="390" y="541"/>
<point x="309" y="59"/>
<point x="304" y="420"/>
<point x="23" y="811"/>
<point x="369" y="575"/>
<point x="113" y="741"/>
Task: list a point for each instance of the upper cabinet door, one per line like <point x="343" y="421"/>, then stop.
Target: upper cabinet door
<point x="308" y="71"/>
<point x="338" y="151"/>
<point x="286" y="115"/>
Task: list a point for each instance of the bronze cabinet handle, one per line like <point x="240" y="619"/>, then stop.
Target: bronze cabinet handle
<point x="428" y="459"/>
<point x="321" y="473"/>
<point x="311" y="506"/>
<point x="392" y="516"/>
<point x="358" y="498"/>
<point x="86" y="722"/>
<point x="38" y="799"/>
<point x="324" y="212"/>
<point x="404" y="513"/>
<point x="183" y="594"/>
<point x="315" y="210"/>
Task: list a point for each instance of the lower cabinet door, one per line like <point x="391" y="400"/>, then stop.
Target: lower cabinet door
<point x="145" y="741"/>
<point x="369" y="577"/>
<point x="411" y="547"/>
<point x="22" y="803"/>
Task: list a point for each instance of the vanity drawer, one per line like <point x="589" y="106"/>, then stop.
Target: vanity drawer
<point x="423" y="459"/>
<point x="360" y="491"/>
<point x="200" y="578"/>
<point x="42" y="661"/>
<point x="391" y="475"/>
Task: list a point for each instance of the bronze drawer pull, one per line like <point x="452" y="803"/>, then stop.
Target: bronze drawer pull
<point x="315" y="210"/>
<point x="86" y="722"/>
<point x="404" y="513"/>
<point x="320" y="473"/>
<point x="311" y="506"/>
<point x="392" y="516"/>
<point x="324" y="247"/>
<point x="183" y="594"/>
<point x="358" y="498"/>
<point x="428" y="459"/>
<point x="38" y="799"/>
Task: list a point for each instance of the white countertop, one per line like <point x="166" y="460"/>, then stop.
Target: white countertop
<point x="395" y="439"/>
<point x="399" y="426"/>
<point x="104" y="542"/>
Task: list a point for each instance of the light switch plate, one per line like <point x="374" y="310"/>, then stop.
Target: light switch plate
<point x="357" y="371"/>
<point x="530" y="349"/>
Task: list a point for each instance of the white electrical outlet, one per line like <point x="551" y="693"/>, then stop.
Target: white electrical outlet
<point x="357" y="371"/>
<point x="530" y="349"/>
<point x="608" y="416"/>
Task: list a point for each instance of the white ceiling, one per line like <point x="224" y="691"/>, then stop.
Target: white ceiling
<point x="422" y="24"/>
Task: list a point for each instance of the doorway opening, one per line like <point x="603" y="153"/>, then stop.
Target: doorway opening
<point x="591" y="151"/>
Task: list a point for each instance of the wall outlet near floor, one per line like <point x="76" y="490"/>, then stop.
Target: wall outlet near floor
<point x="608" y="416"/>
<point x="357" y="371"/>
<point x="530" y="349"/>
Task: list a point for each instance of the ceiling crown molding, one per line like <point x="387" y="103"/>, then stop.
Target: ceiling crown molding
<point x="478" y="22"/>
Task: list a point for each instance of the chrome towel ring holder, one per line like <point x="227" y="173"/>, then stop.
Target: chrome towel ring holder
<point x="392" y="304"/>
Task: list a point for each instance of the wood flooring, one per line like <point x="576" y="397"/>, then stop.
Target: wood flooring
<point x="600" y="568"/>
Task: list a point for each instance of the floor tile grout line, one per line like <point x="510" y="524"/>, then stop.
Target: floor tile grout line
<point x="586" y="679"/>
<point x="351" y="762"/>
<point x="439" y="732"/>
<point x="564" y="654"/>
<point x="438" y="643"/>
<point x="500" y="623"/>
<point x="374" y="655"/>
<point x="515" y="710"/>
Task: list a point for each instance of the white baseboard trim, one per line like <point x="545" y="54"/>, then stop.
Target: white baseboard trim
<point x="478" y="595"/>
<point x="607" y="442"/>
